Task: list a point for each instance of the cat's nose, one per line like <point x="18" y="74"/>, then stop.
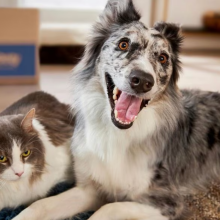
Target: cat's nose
<point x="19" y="174"/>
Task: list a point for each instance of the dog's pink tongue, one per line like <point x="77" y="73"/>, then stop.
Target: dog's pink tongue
<point x="127" y="107"/>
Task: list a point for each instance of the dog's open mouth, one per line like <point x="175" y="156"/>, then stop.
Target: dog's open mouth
<point x="125" y="107"/>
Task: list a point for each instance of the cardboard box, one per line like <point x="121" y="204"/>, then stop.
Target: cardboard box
<point x="19" y="57"/>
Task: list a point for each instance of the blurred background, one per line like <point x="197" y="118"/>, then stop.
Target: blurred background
<point x="42" y="40"/>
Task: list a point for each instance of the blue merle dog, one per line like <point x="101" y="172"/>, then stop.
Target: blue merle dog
<point x="140" y="144"/>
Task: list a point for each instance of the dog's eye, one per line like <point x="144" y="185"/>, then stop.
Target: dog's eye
<point x="123" y="45"/>
<point x="163" y="58"/>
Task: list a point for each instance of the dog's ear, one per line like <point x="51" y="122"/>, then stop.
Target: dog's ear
<point x="116" y="13"/>
<point x="120" y="12"/>
<point x="172" y="32"/>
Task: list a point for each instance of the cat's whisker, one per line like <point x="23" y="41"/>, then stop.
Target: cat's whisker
<point x="37" y="172"/>
<point x="5" y="184"/>
<point x="34" y="141"/>
<point x="40" y="171"/>
<point x="38" y="168"/>
<point x="38" y="150"/>
<point x="34" y="136"/>
<point x="31" y="140"/>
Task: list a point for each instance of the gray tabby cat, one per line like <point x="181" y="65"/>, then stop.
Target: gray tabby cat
<point x="34" y="148"/>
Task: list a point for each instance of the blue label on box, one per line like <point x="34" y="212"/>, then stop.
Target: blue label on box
<point x="17" y="60"/>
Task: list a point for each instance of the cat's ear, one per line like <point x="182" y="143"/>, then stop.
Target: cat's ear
<point x="26" y="123"/>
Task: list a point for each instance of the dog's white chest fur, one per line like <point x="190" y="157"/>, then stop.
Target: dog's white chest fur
<point x="119" y="162"/>
<point x="127" y="176"/>
<point x="109" y="160"/>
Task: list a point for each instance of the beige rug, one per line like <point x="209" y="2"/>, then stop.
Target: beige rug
<point x="205" y="206"/>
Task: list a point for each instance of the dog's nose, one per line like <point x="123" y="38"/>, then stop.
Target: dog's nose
<point x="141" y="81"/>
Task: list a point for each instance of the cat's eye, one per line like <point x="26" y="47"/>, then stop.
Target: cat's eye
<point x="26" y="153"/>
<point x="163" y="58"/>
<point x="123" y="45"/>
<point x="3" y="159"/>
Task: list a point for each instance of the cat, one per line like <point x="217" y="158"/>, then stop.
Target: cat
<point x="35" y="134"/>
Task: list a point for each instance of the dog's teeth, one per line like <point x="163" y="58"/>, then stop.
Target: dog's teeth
<point x="116" y="102"/>
<point x="123" y="123"/>
<point x="115" y="91"/>
<point x="116" y="114"/>
<point x="115" y="97"/>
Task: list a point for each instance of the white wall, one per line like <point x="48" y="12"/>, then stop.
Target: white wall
<point x="189" y="12"/>
<point x="144" y="7"/>
<point x="58" y="4"/>
<point x="9" y="3"/>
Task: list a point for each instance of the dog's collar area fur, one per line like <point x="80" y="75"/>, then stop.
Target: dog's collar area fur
<point x="110" y="90"/>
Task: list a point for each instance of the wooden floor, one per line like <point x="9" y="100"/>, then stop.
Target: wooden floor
<point x="199" y="72"/>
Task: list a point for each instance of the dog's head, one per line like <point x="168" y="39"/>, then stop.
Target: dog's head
<point x="136" y="64"/>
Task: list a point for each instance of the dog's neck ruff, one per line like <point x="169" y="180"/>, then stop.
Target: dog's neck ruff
<point x="102" y="137"/>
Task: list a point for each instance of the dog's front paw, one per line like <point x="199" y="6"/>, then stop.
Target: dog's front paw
<point x="104" y="213"/>
<point x="100" y="217"/>
<point x="27" y="214"/>
<point x="33" y="212"/>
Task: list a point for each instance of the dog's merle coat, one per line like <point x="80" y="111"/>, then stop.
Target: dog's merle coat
<point x="186" y="139"/>
<point x="171" y="150"/>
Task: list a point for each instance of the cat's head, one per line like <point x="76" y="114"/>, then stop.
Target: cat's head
<point x="21" y="150"/>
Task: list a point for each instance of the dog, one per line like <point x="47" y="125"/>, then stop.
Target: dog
<point x="140" y="144"/>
